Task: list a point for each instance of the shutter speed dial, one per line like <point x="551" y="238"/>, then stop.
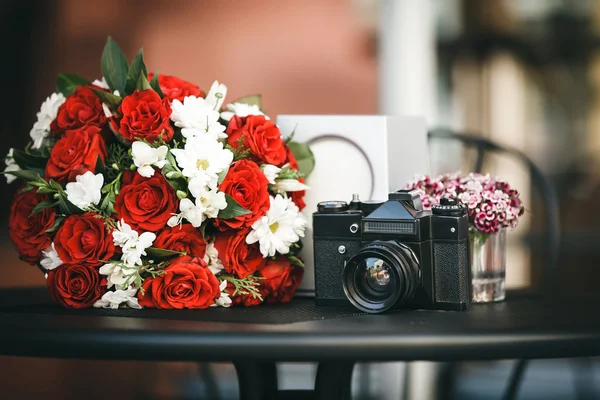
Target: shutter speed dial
<point x="450" y="207"/>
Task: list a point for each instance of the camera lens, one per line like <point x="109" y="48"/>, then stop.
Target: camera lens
<point x="379" y="276"/>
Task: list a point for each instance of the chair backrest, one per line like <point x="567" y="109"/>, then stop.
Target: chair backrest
<point x="540" y="183"/>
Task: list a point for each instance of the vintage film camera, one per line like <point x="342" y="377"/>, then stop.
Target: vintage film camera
<point x="392" y="254"/>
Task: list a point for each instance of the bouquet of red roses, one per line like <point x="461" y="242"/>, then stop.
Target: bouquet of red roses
<point x="141" y="190"/>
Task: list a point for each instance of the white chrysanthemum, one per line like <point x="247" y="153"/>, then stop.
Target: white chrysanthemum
<point x="282" y="226"/>
<point x="241" y="110"/>
<point x="133" y="244"/>
<point x="47" y="114"/>
<point x="270" y="172"/>
<point x="50" y="258"/>
<point x="224" y="300"/>
<point x="11" y="165"/>
<point x="145" y="156"/>
<point x="203" y="159"/>
<point x="101" y="83"/>
<point x="216" y="95"/>
<point x="115" y="299"/>
<point x="118" y="274"/>
<point x="197" y="117"/>
<point x="211" y="257"/>
<point x="288" y="185"/>
<point x="86" y="190"/>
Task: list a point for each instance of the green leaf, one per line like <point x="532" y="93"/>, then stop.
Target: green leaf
<point x="42" y="205"/>
<point x="296" y="261"/>
<point x="174" y="178"/>
<point x="233" y="209"/>
<point x="137" y="68"/>
<point x="45" y="190"/>
<point x="111" y="100"/>
<point x="27" y="176"/>
<point x="304" y="156"/>
<point x="66" y="207"/>
<point x="26" y="189"/>
<point x="143" y="84"/>
<point x="110" y="190"/>
<point x="29" y="161"/>
<point x="288" y="173"/>
<point x="100" y="167"/>
<point x="67" y="83"/>
<point x="114" y="66"/>
<point x="156" y="86"/>
<point x="163" y="253"/>
<point x="253" y="100"/>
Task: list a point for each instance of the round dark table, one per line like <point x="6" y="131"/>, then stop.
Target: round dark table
<point x="525" y="326"/>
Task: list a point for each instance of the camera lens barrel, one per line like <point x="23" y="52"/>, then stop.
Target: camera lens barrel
<point x="380" y="276"/>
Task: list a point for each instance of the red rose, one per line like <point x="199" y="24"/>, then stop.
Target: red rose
<point x="261" y="136"/>
<point x="245" y="300"/>
<point x="246" y="183"/>
<point x="144" y="116"/>
<point x="298" y="196"/>
<point x="146" y="203"/>
<point x="176" y="89"/>
<point x="282" y="278"/>
<point x="84" y="240"/>
<point x="82" y="108"/>
<point x="236" y="255"/>
<point x="76" y="153"/>
<point x="28" y="232"/>
<point x="184" y="238"/>
<point x="75" y="286"/>
<point x="186" y="283"/>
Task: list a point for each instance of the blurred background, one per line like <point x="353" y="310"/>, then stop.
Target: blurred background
<point x="524" y="73"/>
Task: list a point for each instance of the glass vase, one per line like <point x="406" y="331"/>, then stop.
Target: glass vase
<point x="488" y="266"/>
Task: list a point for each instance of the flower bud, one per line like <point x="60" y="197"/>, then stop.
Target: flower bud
<point x="174" y="175"/>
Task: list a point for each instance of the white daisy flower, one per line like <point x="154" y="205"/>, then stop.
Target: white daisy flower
<point x="197" y="117"/>
<point x="11" y="165"/>
<point x="86" y="190"/>
<point x="146" y="156"/>
<point x="115" y="299"/>
<point x="211" y="257"/>
<point x="282" y="226"/>
<point x="270" y="172"/>
<point x="203" y="158"/>
<point x="47" y="114"/>
<point x="50" y="258"/>
<point x="241" y="110"/>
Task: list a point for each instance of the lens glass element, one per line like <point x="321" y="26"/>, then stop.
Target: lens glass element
<point x="373" y="279"/>
<point x="380" y="276"/>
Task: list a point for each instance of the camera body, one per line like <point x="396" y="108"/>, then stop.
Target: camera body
<point x="392" y="254"/>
